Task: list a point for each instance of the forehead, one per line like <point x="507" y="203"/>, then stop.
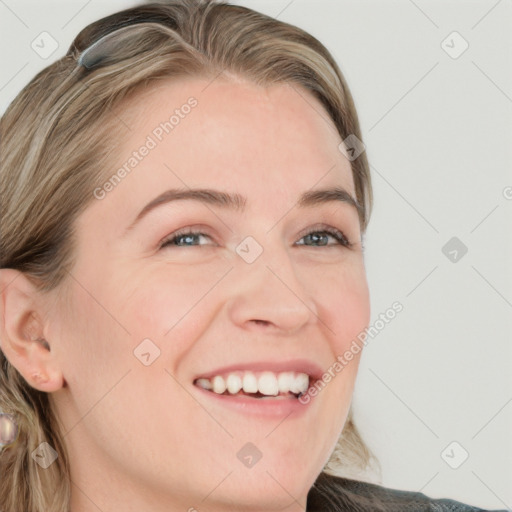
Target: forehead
<point x="269" y="144"/>
<point x="238" y="129"/>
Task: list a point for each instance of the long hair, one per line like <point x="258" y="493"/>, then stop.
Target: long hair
<point x="57" y="138"/>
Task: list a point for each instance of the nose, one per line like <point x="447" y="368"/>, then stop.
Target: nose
<point x="268" y="294"/>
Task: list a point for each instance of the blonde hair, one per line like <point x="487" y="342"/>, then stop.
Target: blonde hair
<point x="57" y="138"/>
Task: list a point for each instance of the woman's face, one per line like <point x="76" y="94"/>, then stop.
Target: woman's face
<point x="137" y="322"/>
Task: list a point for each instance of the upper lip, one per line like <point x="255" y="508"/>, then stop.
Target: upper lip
<point x="289" y="365"/>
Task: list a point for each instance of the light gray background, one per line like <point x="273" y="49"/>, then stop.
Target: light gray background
<point x="438" y="136"/>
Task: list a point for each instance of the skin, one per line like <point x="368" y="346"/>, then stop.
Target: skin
<point x="143" y="437"/>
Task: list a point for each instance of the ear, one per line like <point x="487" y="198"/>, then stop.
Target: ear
<point x="22" y="332"/>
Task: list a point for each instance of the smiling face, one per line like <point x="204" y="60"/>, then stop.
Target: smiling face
<point x="263" y="282"/>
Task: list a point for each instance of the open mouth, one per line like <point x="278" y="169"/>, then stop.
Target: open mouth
<point x="279" y="396"/>
<point x="264" y="385"/>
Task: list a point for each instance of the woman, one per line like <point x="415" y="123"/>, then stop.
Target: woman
<point x="184" y="197"/>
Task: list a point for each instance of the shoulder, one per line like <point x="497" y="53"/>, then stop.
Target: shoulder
<point x="331" y="493"/>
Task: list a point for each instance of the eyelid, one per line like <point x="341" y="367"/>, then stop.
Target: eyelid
<point x="201" y="230"/>
<point x="192" y="229"/>
<point x="328" y="228"/>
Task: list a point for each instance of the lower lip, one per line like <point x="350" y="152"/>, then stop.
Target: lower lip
<point x="270" y="407"/>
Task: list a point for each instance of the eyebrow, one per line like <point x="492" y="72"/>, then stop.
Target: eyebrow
<point x="237" y="202"/>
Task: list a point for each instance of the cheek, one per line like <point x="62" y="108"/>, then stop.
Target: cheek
<point x="343" y="300"/>
<point x="95" y="344"/>
<point x="176" y="302"/>
<point x="172" y="306"/>
<point x="165" y="300"/>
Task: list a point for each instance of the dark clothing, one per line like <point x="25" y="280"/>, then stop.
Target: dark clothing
<point x="330" y="493"/>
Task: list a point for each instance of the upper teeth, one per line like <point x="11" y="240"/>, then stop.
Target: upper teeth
<point x="267" y="383"/>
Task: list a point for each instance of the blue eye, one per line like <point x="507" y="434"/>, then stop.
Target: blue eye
<point x="317" y="237"/>
<point x="175" y="238"/>
<point x="340" y="238"/>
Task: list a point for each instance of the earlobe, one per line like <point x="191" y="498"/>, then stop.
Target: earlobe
<point x="22" y="332"/>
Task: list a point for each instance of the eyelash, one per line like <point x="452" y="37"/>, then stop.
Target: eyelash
<point x="335" y="233"/>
